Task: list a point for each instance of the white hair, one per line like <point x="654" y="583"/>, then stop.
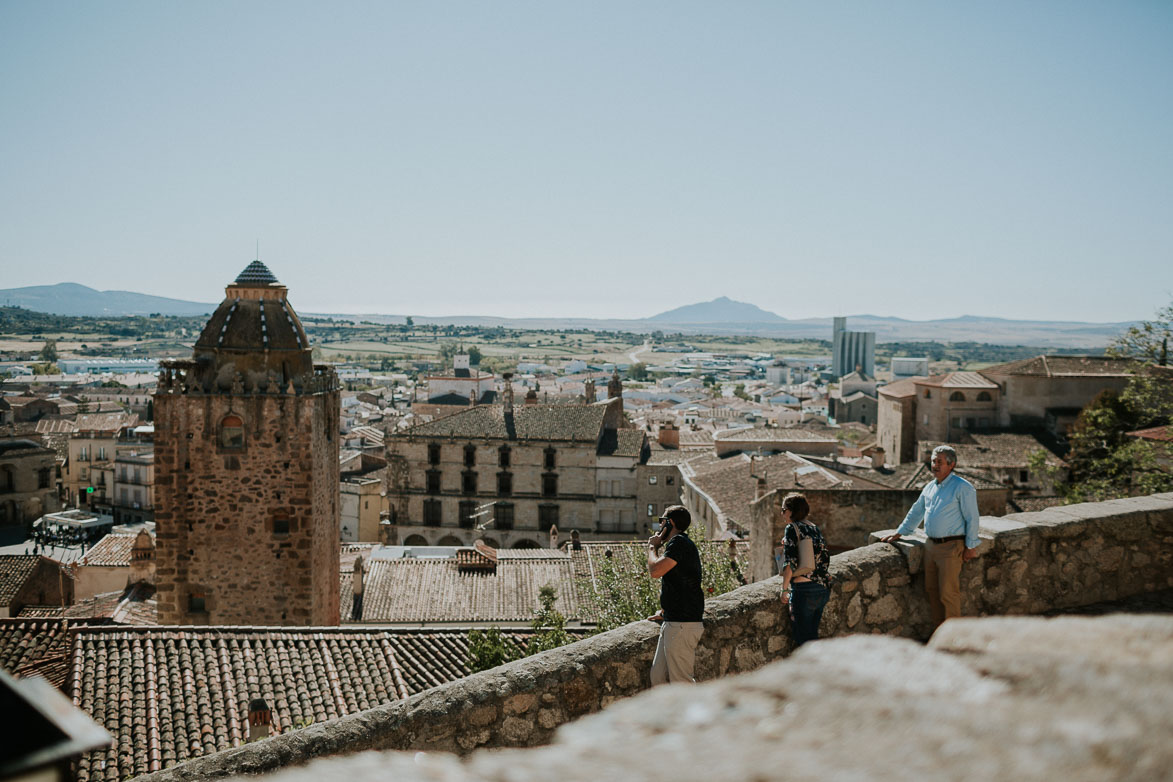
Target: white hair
<point x="946" y="451"/>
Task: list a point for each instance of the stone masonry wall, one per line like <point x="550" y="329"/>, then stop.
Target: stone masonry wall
<point x="847" y="518"/>
<point x="217" y="507"/>
<point x="1029" y="562"/>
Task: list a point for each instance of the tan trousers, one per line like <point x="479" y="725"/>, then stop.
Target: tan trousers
<point x="943" y="579"/>
<point x="676" y="652"/>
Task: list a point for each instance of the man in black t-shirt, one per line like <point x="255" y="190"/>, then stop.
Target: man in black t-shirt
<point x="682" y="603"/>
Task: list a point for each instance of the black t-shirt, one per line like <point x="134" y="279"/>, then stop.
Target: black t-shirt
<point x="680" y="588"/>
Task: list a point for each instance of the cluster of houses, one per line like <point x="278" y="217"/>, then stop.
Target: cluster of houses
<point x="187" y="527"/>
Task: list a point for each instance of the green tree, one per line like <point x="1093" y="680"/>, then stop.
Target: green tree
<point x="638" y="371"/>
<point x="620" y="590"/>
<point x="549" y="625"/>
<point x="490" y="648"/>
<point x="739" y="392"/>
<point x="1147" y="341"/>
<point x="49" y="352"/>
<point x="474" y="355"/>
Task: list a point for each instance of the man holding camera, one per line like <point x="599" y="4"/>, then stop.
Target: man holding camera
<point x="682" y="602"/>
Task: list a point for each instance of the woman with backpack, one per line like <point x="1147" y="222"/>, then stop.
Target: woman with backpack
<point x="806" y="580"/>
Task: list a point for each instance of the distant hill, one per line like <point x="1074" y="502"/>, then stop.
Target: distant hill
<point x="720" y="310"/>
<point x="69" y="298"/>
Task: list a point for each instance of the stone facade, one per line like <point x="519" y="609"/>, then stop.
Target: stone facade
<point x="516" y="474"/>
<point x="1030" y="562"/>
<point x="28" y="485"/>
<point x="246" y="471"/>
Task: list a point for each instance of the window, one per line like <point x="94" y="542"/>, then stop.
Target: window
<point x="470" y="456"/>
<point x="651" y="480"/>
<point x="433" y="453"/>
<point x="1023" y="476"/>
<point x="957" y="422"/>
<point x="503" y="456"/>
<point x="433" y="479"/>
<point x="232" y="432"/>
<point x="651" y="509"/>
<point x="547" y="517"/>
<point x="503" y="515"/>
<point x="984" y="422"/>
<point x="549" y="485"/>
<point x="468" y="482"/>
<point x="670" y="480"/>
<point x="504" y="484"/>
<point x="197" y="603"/>
<point x="971" y="423"/>
<point x="468" y="510"/>
<point x="432" y="512"/>
<point x="928" y="394"/>
<point x="551" y="456"/>
<point x="43" y="478"/>
<point x="957" y="396"/>
<point x="984" y="396"/>
<point x="281" y="524"/>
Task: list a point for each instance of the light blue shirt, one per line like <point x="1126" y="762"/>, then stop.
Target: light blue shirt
<point x="948" y="508"/>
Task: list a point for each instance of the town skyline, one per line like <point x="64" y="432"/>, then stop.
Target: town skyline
<point x="923" y="161"/>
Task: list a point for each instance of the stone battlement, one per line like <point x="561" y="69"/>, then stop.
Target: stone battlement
<point x="1031" y="562"/>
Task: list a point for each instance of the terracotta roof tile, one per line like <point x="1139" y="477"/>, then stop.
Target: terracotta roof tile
<point x="25" y="644"/>
<point x="996" y="451"/>
<point x="440" y="590"/>
<point x="957" y="380"/>
<point x="167" y="694"/>
<point x="134" y="605"/>
<point x="113" y="550"/>
<point x="15" y="570"/>
<point x="1059" y="366"/>
<point x="530" y="422"/>
<point x="1162" y="434"/>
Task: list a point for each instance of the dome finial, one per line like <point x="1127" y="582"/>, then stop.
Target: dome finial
<point x="256" y="273"/>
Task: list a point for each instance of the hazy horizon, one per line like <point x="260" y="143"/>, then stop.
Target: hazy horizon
<point x="610" y="160"/>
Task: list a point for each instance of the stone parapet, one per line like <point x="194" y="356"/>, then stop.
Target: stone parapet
<point x="1031" y="562"/>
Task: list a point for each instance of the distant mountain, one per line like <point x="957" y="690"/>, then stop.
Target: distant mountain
<point x="69" y="298"/>
<point x="721" y="310"/>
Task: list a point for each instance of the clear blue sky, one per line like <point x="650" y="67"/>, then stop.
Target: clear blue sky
<point x="600" y="159"/>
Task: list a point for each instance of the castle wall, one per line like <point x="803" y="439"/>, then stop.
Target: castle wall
<point x="220" y="510"/>
<point x="1031" y="562"/>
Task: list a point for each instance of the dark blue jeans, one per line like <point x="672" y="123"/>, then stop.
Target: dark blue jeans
<point x="807" y="601"/>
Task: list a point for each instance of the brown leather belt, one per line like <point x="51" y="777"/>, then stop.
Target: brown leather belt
<point x="948" y="539"/>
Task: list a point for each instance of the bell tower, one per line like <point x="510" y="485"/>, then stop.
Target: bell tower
<point x="246" y="469"/>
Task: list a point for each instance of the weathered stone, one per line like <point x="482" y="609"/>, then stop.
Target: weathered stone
<point x="520" y="703"/>
<point x="515" y="730"/>
<point x="871" y="585"/>
<point x="886" y="609"/>
<point x="854" y="610"/>
<point x="481" y="715"/>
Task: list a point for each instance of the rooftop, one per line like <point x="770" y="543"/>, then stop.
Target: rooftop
<point x="957" y="380"/>
<point x="1065" y="366"/>
<point x="580" y="423"/>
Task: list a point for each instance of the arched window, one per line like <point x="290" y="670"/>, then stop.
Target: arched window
<point x="928" y="394"/>
<point x="984" y="396"/>
<point x="232" y="432"/>
<point x="7" y="482"/>
<point x="957" y="396"/>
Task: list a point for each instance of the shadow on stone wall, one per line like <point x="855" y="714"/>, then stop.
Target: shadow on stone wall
<point x="1030" y="563"/>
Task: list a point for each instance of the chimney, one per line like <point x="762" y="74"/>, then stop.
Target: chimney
<point x="260" y="719"/>
<point x="142" y="559"/>
<point x="615" y="387"/>
<point x="575" y="542"/>
<point x="531" y="397"/>
<point x="669" y="436"/>
<point x="588" y="391"/>
<point x="507" y="394"/>
<point x="472" y="398"/>
<point x="553" y="536"/>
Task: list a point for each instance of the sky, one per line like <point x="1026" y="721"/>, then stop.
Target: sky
<point x="601" y="159"/>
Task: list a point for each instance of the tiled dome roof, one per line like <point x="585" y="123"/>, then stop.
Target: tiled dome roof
<point x="256" y="273"/>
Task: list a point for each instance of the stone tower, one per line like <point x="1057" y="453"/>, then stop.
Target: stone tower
<point x="246" y="470"/>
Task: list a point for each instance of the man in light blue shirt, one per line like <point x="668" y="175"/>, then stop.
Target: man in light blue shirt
<point x="949" y="509"/>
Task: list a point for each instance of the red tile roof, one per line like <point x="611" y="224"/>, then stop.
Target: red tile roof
<point x="171" y="693"/>
<point x="113" y="550"/>
<point x="134" y="605"/>
<point x="1059" y="366"/>
<point x="1162" y="434"/>
<point x="901" y="388"/>
<point x="957" y="380"/>
<point x="25" y="644"/>
<point x="15" y="570"/>
<point x="441" y="590"/>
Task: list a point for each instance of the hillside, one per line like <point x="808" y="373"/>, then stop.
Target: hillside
<point x="719" y="310"/>
<point x="69" y="298"/>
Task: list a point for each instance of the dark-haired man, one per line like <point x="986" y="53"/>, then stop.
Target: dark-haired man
<point x="682" y="602"/>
